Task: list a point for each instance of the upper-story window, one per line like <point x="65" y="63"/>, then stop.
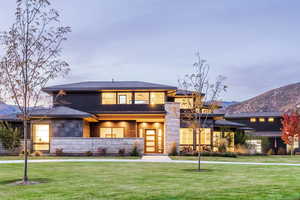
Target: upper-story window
<point x="109" y="98"/>
<point x="124" y="97"/>
<point x="141" y="98"/>
<point x="262" y="119"/>
<point x="127" y="98"/>
<point x="157" y="97"/>
<point x="271" y="119"/>
<point x="185" y="102"/>
<point x="253" y="119"/>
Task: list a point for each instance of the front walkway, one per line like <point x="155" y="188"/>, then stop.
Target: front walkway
<point x="148" y="160"/>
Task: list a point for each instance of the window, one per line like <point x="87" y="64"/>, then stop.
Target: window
<point x="186" y="136"/>
<point x="157" y="97"/>
<point x="124" y="98"/>
<point x="262" y="119"/>
<point x="205" y="136"/>
<point x="141" y="98"/>
<point x="111" y="132"/>
<point x="252" y="120"/>
<point x="185" y="103"/>
<point x="108" y="98"/>
<point x="271" y="119"/>
<point x="205" y="110"/>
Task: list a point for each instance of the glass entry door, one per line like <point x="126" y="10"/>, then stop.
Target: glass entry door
<point x="153" y="141"/>
<point x="41" y="140"/>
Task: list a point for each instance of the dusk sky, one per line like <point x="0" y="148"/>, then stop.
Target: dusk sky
<point x="254" y="43"/>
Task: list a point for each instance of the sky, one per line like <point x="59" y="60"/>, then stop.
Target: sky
<point x="254" y="43"/>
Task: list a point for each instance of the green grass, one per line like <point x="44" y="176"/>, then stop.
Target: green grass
<point x="264" y="159"/>
<point x="66" y="157"/>
<point x="151" y="181"/>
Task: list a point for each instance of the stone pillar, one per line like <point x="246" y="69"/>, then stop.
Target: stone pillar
<point x="172" y="126"/>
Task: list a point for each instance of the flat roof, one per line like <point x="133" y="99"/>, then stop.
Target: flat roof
<point x="108" y="85"/>
<point x="253" y="114"/>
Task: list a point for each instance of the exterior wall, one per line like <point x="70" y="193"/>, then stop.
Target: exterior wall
<point x="172" y="125"/>
<point x="67" y="128"/>
<point x="75" y="145"/>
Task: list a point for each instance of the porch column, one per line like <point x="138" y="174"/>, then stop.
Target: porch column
<point x="172" y="126"/>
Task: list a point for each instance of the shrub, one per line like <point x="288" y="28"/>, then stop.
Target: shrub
<point x="89" y="153"/>
<point x="270" y="152"/>
<point x="173" y="151"/>
<point x="37" y="153"/>
<point x="10" y="137"/>
<point x="218" y="154"/>
<point x="281" y="151"/>
<point x="101" y="151"/>
<point x="222" y="148"/>
<point x="121" y="152"/>
<point x="135" y="151"/>
<point x="241" y="149"/>
<point x="59" y="151"/>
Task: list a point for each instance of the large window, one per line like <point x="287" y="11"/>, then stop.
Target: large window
<point x="124" y="98"/>
<point x="205" y="136"/>
<point x="186" y="136"/>
<point x="109" y="98"/>
<point x="157" y="98"/>
<point x="141" y="98"/>
<point x="185" y="103"/>
<point x="111" y="132"/>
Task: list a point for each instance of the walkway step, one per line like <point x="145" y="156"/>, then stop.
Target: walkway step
<point x="156" y="158"/>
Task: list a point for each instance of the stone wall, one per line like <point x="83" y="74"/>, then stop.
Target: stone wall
<point x="172" y="125"/>
<point x="67" y="128"/>
<point x="75" y="145"/>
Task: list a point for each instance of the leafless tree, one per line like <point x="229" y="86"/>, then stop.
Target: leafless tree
<point x="32" y="48"/>
<point x="205" y="95"/>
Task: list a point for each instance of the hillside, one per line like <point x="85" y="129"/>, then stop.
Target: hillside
<point x="6" y="109"/>
<point x="282" y="99"/>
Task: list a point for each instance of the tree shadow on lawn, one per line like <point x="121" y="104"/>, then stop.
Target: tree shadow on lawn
<point x="34" y="181"/>
<point x="196" y="170"/>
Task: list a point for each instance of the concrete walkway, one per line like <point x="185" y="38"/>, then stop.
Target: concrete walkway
<point x="147" y="160"/>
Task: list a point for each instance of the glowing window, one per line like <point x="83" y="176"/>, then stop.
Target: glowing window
<point x="109" y="98"/>
<point x="252" y="119"/>
<point x="262" y="119"/>
<point x="271" y="119"/>
<point x="141" y="98"/>
<point x="111" y="132"/>
<point x="124" y="98"/>
<point x="185" y="103"/>
<point x="157" y="97"/>
<point x="41" y="137"/>
<point x="186" y="136"/>
<point x="205" y="136"/>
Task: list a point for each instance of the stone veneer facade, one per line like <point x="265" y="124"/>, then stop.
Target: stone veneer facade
<point x="76" y="145"/>
<point x="172" y="126"/>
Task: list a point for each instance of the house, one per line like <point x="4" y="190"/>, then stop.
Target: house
<point x="264" y="124"/>
<point x="115" y="115"/>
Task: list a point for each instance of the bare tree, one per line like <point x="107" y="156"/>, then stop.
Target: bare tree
<point x="32" y="48"/>
<point x="204" y="95"/>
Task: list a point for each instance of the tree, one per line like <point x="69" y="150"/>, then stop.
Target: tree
<point x="32" y="48"/>
<point x="290" y="129"/>
<point x="205" y="95"/>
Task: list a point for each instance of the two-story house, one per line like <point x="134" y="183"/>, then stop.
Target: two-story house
<point x="116" y="115"/>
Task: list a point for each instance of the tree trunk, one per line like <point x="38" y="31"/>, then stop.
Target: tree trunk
<point x="199" y="150"/>
<point x="25" y="177"/>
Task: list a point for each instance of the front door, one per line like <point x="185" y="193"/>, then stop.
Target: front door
<point x="153" y="141"/>
<point x="41" y="138"/>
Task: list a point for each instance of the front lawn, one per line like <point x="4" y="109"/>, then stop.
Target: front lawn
<point x="161" y="181"/>
<point x="263" y="159"/>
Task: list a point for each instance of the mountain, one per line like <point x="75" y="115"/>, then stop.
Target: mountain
<point x="283" y="99"/>
<point x="6" y="109"/>
<point x="226" y="104"/>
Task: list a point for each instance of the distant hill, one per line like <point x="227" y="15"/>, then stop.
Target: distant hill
<point x="283" y="99"/>
<point x="226" y="104"/>
<point x="6" y="109"/>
